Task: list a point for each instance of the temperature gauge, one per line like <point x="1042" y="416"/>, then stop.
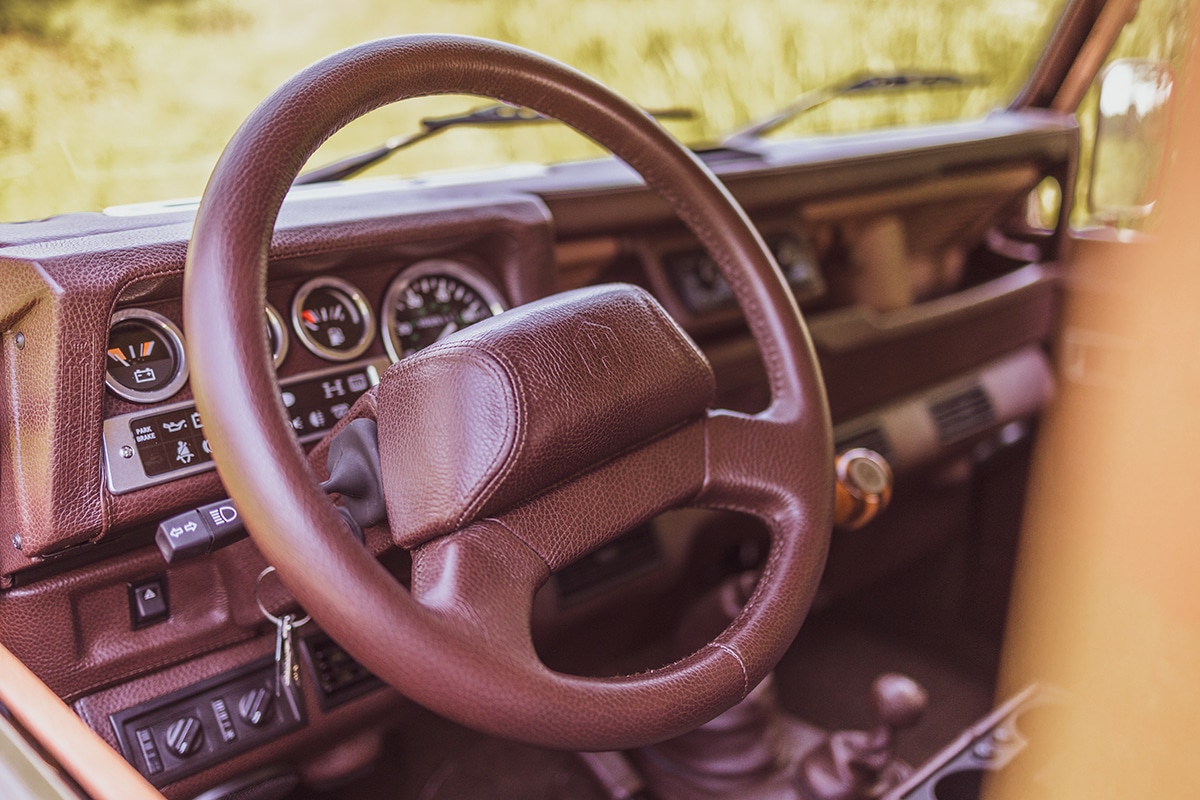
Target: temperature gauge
<point x="332" y="319"/>
<point x="144" y="360"/>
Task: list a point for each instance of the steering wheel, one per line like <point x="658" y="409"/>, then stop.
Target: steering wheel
<point x="522" y="442"/>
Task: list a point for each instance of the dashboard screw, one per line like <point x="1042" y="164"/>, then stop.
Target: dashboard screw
<point x="20" y="340"/>
<point x="17" y="541"/>
<point x="126" y="452"/>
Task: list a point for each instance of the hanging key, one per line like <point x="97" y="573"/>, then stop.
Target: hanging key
<point x="287" y="674"/>
<point x="287" y="667"/>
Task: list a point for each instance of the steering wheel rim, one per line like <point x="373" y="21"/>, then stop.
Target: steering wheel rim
<point x="775" y="465"/>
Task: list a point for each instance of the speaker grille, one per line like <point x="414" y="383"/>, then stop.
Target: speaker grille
<point x="962" y="414"/>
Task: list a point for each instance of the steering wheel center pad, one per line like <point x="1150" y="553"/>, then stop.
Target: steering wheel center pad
<point x="518" y="403"/>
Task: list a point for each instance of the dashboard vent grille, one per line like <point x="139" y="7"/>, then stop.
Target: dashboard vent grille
<point x="616" y="562"/>
<point x="339" y="676"/>
<point x="871" y="438"/>
<point x="962" y="414"/>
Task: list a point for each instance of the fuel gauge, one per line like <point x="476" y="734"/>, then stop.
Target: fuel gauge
<point x="332" y="319"/>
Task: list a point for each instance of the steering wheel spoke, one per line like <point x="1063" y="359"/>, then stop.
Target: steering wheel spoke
<point x="480" y="583"/>
<point x="586" y="513"/>
<point x="763" y="466"/>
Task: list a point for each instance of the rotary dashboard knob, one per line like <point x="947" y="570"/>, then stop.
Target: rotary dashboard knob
<point x="864" y="487"/>
<point x="185" y="736"/>
<point x="255" y="706"/>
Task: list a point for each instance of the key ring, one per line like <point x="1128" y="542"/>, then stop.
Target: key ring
<point x="274" y="620"/>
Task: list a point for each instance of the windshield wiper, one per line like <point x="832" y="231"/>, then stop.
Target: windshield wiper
<point x="497" y="114"/>
<point x="859" y="83"/>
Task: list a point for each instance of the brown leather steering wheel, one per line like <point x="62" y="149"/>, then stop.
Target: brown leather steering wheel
<point x="522" y="442"/>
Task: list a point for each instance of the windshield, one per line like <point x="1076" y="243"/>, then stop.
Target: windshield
<point x="108" y="102"/>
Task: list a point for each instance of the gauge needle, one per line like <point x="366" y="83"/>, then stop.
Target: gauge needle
<point x="446" y="331"/>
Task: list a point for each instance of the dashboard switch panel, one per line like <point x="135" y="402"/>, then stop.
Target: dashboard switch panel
<point x="144" y="448"/>
<point x="174" y="736"/>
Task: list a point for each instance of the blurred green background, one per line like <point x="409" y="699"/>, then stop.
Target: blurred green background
<point x="105" y="102"/>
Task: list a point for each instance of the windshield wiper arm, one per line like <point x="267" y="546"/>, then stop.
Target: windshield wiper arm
<point x="497" y="114"/>
<point x="859" y="83"/>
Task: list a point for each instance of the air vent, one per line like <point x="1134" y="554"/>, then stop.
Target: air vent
<point x="616" y="562"/>
<point x="871" y="438"/>
<point x="339" y="676"/>
<point x="962" y="414"/>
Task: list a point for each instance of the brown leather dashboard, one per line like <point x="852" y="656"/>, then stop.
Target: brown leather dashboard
<point x="909" y="209"/>
<point x="63" y="278"/>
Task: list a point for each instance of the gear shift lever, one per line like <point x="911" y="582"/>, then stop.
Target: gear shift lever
<point x="859" y="765"/>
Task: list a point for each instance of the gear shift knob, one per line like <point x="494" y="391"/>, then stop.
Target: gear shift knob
<point x="898" y="700"/>
<point x="859" y="765"/>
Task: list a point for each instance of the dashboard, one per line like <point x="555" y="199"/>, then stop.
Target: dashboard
<point x="930" y="321"/>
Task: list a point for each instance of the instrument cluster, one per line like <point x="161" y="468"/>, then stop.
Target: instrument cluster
<point x="330" y="317"/>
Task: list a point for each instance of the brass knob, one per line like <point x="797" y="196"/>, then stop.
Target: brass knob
<point x="864" y="487"/>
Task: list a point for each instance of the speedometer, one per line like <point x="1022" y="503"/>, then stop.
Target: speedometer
<point x="431" y="300"/>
